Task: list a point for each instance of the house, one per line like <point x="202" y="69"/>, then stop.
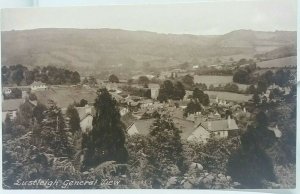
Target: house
<point x="154" y="89"/>
<point x="10" y="108"/>
<point x="199" y="135"/>
<point x="86" y="117"/>
<point x="6" y="91"/>
<point x="141" y="127"/>
<point x="221" y="128"/>
<point x="38" y="85"/>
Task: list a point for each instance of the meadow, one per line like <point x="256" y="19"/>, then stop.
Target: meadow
<point x="278" y="63"/>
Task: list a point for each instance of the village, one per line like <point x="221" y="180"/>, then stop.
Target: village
<point x="224" y="116"/>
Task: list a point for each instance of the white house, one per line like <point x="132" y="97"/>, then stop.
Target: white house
<point x="38" y="85"/>
<point x="6" y="91"/>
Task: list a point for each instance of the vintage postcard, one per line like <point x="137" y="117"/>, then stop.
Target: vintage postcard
<point x="161" y="96"/>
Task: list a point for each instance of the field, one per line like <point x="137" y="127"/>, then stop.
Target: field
<point x="280" y="62"/>
<point x="212" y="79"/>
<point x="228" y="96"/>
<point x="216" y="80"/>
<point x="64" y="96"/>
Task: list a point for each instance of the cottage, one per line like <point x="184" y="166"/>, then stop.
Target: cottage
<point x="221" y="128"/>
<point x="199" y="135"/>
<point x="6" y="91"/>
<point x="141" y="127"/>
<point x="10" y="108"/>
<point x="38" y="85"/>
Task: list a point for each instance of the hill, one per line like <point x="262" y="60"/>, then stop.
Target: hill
<point x="87" y="49"/>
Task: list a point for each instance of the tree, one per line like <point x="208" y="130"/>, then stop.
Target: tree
<point x="165" y="154"/>
<point x="74" y="121"/>
<point x="143" y="80"/>
<point x="18" y="74"/>
<point x="256" y="98"/>
<point x="262" y="86"/>
<point x="241" y="76"/>
<point x="75" y="78"/>
<point x="179" y="91"/>
<point x="113" y="78"/>
<point x="205" y="100"/>
<point x="82" y="103"/>
<point x="251" y="159"/>
<point x="188" y="80"/>
<point x="54" y="134"/>
<point x="192" y="107"/>
<point x="39" y="112"/>
<point x="251" y="89"/>
<point x="166" y="91"/>
<point x="107" y="138"/>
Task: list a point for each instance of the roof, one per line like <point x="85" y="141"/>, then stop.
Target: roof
<point x="199" y="134"/>
<point x="276" y="131"/>
<point x="83" y="113"/>
<point x="37" y="83"/>
<point x="11" y="104"/>
<point x="140" y="126"/>
<point x="221" y="125"/>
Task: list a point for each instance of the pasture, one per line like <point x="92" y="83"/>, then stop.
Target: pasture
<point x="228" y="96"/>
<point x="278" y="63"/>
<point x="64" y="96"/>
<point x="217" y="80"/>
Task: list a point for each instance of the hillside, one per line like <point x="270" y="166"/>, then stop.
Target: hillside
<point x="87" y="49"/>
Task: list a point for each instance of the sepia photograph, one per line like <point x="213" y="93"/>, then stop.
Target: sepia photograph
<point x="150" y="96"/>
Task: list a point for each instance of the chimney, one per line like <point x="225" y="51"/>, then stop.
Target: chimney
<point x="229" y="121"/>
<point x="209" y="125"/>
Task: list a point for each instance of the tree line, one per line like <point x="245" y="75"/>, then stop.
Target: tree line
<point x="21" y="75"/>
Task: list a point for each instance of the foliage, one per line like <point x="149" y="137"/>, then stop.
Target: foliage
<point x="143" y="80"/>
<point x="106" y="140"/>
<point x="169" y="91"/>
<point x="113" y="78"/>
<point x="54" y="133"/>
<point x="74" y="121"/>
<point x="21" y="75"/>
<point x="188" y="80"/>
<point x="166" y="153"/>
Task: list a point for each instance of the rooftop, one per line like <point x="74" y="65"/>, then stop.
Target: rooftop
<point x="11" y="104"/>
<point x="221" y="125"/>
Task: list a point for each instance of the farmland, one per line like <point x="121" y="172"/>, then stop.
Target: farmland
<point x="217" y="80"/>
<point x="280" y="62"/>
<point x="212" y="80"/>
<point x="229" y="96"/>
<point x="64" y="96"/>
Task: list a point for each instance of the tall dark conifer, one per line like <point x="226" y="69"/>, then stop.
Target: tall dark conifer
<point x="106" y="140"/>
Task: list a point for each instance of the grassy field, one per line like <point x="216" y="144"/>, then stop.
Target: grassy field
<point x="216" y="80"/>
<point x="277" y="63"/>
<point x="212" y="79"/>
<point x="229" y="96"/>
<point x="64" y="96"/>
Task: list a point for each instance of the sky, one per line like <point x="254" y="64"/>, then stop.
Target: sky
<point x="205" y="18"/>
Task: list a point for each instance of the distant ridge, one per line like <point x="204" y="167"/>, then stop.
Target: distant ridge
<point x="90" y="49"/>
